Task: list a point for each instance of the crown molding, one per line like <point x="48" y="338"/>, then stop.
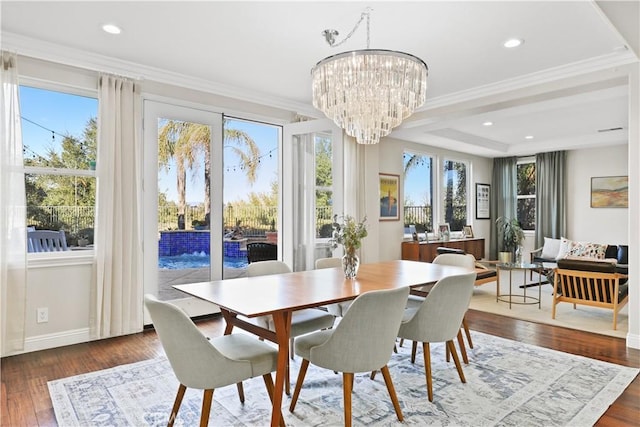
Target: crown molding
<point x="57" y="53"/>
<point x="573" y="70"/>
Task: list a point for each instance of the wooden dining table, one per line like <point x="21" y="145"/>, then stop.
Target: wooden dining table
<point x="279" y="295"/>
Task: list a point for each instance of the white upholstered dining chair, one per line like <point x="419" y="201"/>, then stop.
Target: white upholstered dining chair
<point x="361" y="342"/>
<point x="302" y="321"/>
<point x="467" y="261"/>
<point x="438" y="319"/>
<point x="207" y="364"/>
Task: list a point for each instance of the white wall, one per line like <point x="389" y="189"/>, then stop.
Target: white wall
<point x="598" y="225"/>
<point x="64" y="289"/>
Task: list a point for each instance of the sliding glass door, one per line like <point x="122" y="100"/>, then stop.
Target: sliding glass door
<point x="183" y="156"/>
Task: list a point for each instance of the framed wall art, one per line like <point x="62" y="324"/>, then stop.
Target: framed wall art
<point x="389" y="197"/>
<point x="483" y="198"/>
<point x="610" y="192"/>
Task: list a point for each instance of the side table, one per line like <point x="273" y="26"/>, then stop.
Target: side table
<point x="520" y="298"/>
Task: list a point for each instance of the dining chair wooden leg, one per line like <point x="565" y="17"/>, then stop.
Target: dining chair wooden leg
<point x="240" y="391"/>
<point x="268" y="382"/>
<point x="466" y="331"/>
<point x="296" y="391"/>
<point x="463" y="350"/>
<point x="176" y="404"/>
<point x="206" y="407"/>
<point x="427" y="369"/>
<point x="373" y="375"/>
<point x="292" y="354"/>
<point x="401" y="342"/>
<point x="347" y="387"/>
<point x="392" y="392"/>
<point x="448" y="353"/>
<point x="414" y="349"/>
<point x="456" y="360"/>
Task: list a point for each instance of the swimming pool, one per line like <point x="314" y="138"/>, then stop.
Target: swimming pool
<point x="198" y="260"/>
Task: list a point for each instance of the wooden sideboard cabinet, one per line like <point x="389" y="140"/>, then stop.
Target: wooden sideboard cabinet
<point x="426" y="251"/>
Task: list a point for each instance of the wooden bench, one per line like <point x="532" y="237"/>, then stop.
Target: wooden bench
<point x="484" y="275"/>
<point x="595" y="284"/>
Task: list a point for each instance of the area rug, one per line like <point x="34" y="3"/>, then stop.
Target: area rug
<point x="582" y="318"/>
<point x="508" y="384"/>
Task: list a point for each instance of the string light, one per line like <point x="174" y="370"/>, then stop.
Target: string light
<point x="53" y="132"/>
<point x="37" y="156"/>
<point x="241" y="166"/>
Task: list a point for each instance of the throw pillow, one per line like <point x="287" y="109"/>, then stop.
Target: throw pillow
<point x="564" y="248"/>
<point x="586" y="249"/>
<point x="592" y="259"/>
<point x="551" y="248"/>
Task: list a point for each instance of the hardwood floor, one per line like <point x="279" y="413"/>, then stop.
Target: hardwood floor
<point x="25" y="398"/>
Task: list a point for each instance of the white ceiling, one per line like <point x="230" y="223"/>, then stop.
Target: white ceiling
<point x="564" y="84"/>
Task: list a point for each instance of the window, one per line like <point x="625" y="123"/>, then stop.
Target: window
<point x="418" y="191"/>
<point x="454" y="194"/>
<point x="324" y="185"/>
<point x="59" y="139"/>
<point x="527" y="194"/>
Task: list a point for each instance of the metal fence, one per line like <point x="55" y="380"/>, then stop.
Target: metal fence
<point x="72" y="219"/>
<point x="420" y="216"/>
<point x="252" y="220"/>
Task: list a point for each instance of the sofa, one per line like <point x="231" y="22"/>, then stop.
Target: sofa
<point x="592" y="283"/>
<point x="563" y="248"/>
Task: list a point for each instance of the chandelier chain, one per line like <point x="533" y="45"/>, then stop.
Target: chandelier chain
<point x="365" y="14"/>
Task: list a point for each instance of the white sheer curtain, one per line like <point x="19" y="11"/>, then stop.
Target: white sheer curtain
<point x="13" y="251"/>
<point x="304" y="188"/>
<point x="117" y="308"/>
<point x="355" y="169"/>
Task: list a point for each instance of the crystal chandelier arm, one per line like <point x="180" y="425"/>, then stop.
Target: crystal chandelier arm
<point x="365" y="14"/>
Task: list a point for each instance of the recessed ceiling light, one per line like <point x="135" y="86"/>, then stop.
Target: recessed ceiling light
<point x="487" y="124"/>
<point x="111" y="29"/>
<point x="528" y="137"/>
<point x="513" y="43"/>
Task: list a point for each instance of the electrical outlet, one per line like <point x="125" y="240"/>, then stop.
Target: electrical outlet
<point x="42" y="315"/>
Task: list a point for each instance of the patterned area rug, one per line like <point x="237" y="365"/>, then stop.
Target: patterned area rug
<point x="508" y="384"/>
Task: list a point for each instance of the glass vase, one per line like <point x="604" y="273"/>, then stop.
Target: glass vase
<point x="350" y="265"/>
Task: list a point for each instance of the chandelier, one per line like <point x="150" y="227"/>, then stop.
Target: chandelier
<point x="368" y="92"/>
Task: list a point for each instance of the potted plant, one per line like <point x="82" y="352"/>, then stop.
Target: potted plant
<point x="510" y="238"/>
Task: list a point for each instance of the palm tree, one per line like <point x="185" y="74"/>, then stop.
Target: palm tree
<point x="187" y="143"/>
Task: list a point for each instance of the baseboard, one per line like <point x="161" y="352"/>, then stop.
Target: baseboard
<point x="633" y="340"/>
<point x="59" y="339"/>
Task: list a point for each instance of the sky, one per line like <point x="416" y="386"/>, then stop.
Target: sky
<point x="416" y="186"/>
<point x="45" y="111"/>
<point x="62" y="113"/>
